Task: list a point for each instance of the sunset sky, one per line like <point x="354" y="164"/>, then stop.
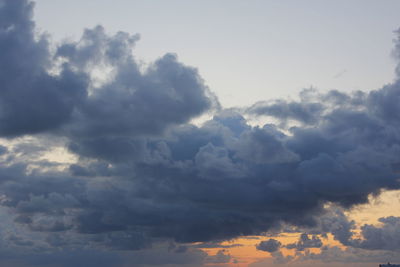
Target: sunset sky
<point x="199" y="133"/>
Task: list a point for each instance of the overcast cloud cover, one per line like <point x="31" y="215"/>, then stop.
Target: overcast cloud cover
<point x="147" y="182"/>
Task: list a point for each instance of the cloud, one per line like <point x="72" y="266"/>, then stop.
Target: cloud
<point x="132" y="101"/>
<point x="384" y="237"/>
<point x="79" y="258"/>
<point x="220" y="257"/>
<point x="270" y="245"/>
<point x="334" y="222"/>
<point x="304" y="112"/>
<point x="351" y="255"/>
<point x="144" y="173"/>
<point x="305" y="242"/>
<point x="32" y="100"/>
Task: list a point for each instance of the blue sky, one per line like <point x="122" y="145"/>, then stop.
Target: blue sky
<point x="249" y="50"/>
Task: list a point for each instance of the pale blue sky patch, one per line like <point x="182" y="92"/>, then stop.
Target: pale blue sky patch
<point x="249" y="50"/>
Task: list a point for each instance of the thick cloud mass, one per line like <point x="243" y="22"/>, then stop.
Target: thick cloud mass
<point x="132" y="102"/>
<point x="146" y="174"/>
<point x="32" y="100"/>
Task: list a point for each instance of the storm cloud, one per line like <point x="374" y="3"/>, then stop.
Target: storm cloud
<point x="144" y="173"/>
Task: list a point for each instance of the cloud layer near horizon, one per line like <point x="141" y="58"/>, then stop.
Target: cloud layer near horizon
<point x="146" y="174"/>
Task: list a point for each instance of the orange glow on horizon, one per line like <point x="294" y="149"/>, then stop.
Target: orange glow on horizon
<point x="246" y="253"/>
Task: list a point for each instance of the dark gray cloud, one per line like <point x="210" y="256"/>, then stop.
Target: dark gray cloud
<point x="270" y="245"/>
<point x="384" y="237"/>
<point x="336" y="254"/>
<point x="145" y="173"/>
<point x="305" y="242"/>
<point x="32" y="100"/>
<point x="64" y="258"/>
<point x="132" y="101"/>
<point x="336" y="223"/>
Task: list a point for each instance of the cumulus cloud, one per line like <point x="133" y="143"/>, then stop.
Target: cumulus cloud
<point x="144" y="173"/>
<point x="335" y="222"/>
<point x="32" y="100"/>
<point x="270" y="245"/>
<point x="306" y="242"/>
<point x="383" y="237"/>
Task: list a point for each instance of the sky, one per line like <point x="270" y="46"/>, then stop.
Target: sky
<point x="249" y="50"/>
<point x="208" y="133"/>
